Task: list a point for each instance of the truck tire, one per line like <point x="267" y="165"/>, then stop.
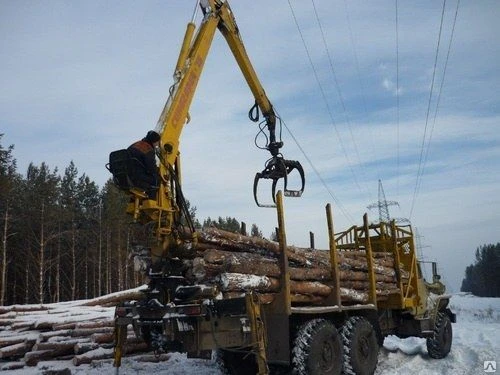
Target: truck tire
<point x="439" y="345"/>
<point x="317" y="349"/>
<point x="360" y="346"/>
<point x="236" y="362"/>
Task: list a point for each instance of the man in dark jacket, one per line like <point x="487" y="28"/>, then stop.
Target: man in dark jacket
<point x="145" y="174"/>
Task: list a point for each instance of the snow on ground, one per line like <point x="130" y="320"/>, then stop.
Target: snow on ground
<point x="476" y="341"/>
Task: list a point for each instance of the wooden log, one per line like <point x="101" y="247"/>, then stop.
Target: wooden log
<point x="43" y="325"/>
<point x="311" y="274"/>
<point x="12" y="366"/>
<point x="226" y="239"/>
<point x="352" y="295"/>
<point x="102" y="338"/>
<point x="382" y="258"/>
<point x="364" y="285"/>
<point x="23" y="326"/>
<point x="84" y="347"/>
<point x="295" y="298"/>
<point x="230" y="281"/>
<point x="234" y="282"/>
<point x="22" y="308"/>
<point x="33" y="357"/>
<point x="85" y="332"/>
<point x="88" y="324"/>
<point x="359" y="264"/>
<point x="93" y="355"/>
<point x="348" y="296"/>
<point x="6" y="322"/>
<point x="54" y="339"/>
<point x="12" y="340"/>
<point x="202" y="271"/>
<point x="215" y="261"/>
<point x="243" y="282"/>
<point x="252" y="263"/>
<point x="58" y="349"/>
<point x="238" y="242"/>
<point x="44" y="336"/>
<point x="305" y="257"/>
<point x="309" y="288"/>
<point x="16" y="350"/>
<point x="363" y="276"/>
<point x="103" y="353"/>
<point x="115" y="298"/>
<point x="106" y="338"/>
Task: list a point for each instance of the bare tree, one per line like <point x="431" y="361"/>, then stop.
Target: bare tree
<point x="4" y="254"/>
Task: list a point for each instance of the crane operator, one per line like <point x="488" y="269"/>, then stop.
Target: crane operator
<point x="144" y="175"/>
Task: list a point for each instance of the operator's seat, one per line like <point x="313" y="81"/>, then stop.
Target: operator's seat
<point x="123" y="167"/>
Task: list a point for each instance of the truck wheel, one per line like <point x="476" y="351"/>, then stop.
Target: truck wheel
<point x="439" y="345"/>
<point x="317" y="349"/>
<point x="360" y="346"/>
<point x="236" y="362"/>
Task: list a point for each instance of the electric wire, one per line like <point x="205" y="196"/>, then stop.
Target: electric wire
<point x="440" y="89"/>
<point x="323" y="94"/>
<point x="356" y="59"/>
<point x="347" y="215"/>
<point x="339" y="92"/>
<point x="397" y="102"/>
<point x="362" y="88"/>
<point x="422" y="148"/>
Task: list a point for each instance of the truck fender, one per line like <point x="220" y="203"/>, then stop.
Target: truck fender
<point x="441" y="304"/>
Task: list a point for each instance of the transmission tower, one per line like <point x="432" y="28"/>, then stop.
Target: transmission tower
<point x="383" y="206"/>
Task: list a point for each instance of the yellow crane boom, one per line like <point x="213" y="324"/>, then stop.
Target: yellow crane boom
<point x="169" y="213"/>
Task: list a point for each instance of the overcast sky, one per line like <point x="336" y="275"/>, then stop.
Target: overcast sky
<point x="81" y="79"/>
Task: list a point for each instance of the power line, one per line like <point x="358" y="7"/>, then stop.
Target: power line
<point x="361" y="85"/>
<point x="397" y="97"/>
<point x="420" y="163"/>
<point x="356" y="60"/>
<point x="323" y="182"/>
<point x="323" y="94"/>
<point x="441" y="88"/>
<point x="339" y="91"/>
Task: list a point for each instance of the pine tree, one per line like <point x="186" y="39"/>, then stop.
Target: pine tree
<point x="482" y="278"/>
<point x="9" y="188"/>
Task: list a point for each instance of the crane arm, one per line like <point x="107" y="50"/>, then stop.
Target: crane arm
<point x="167" y="212"/>
<point x="276" y="167"/>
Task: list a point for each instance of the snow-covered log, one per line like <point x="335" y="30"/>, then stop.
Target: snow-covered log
<point x="15" y="350"/>
<point x="64" y="330"/>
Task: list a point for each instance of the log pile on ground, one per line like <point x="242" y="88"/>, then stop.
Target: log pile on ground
<point x="79" y="331"/>
<point x="236" y="263"/>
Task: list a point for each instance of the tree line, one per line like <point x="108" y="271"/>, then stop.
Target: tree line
<point x="483" y="278"/>
<point x="64" y="238"/>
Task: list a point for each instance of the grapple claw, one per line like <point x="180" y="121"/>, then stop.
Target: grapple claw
<point x="275" y="169"/>
<point x="290" y="166"/>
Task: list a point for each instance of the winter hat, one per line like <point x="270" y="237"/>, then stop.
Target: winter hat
<point x="152" y="136"/>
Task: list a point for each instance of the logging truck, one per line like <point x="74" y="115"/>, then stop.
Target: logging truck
<point x="261" y="305"/>
<point x="331" y="318"/>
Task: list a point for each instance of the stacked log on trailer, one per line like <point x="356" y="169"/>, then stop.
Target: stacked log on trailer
<point x="237" y="263"/>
